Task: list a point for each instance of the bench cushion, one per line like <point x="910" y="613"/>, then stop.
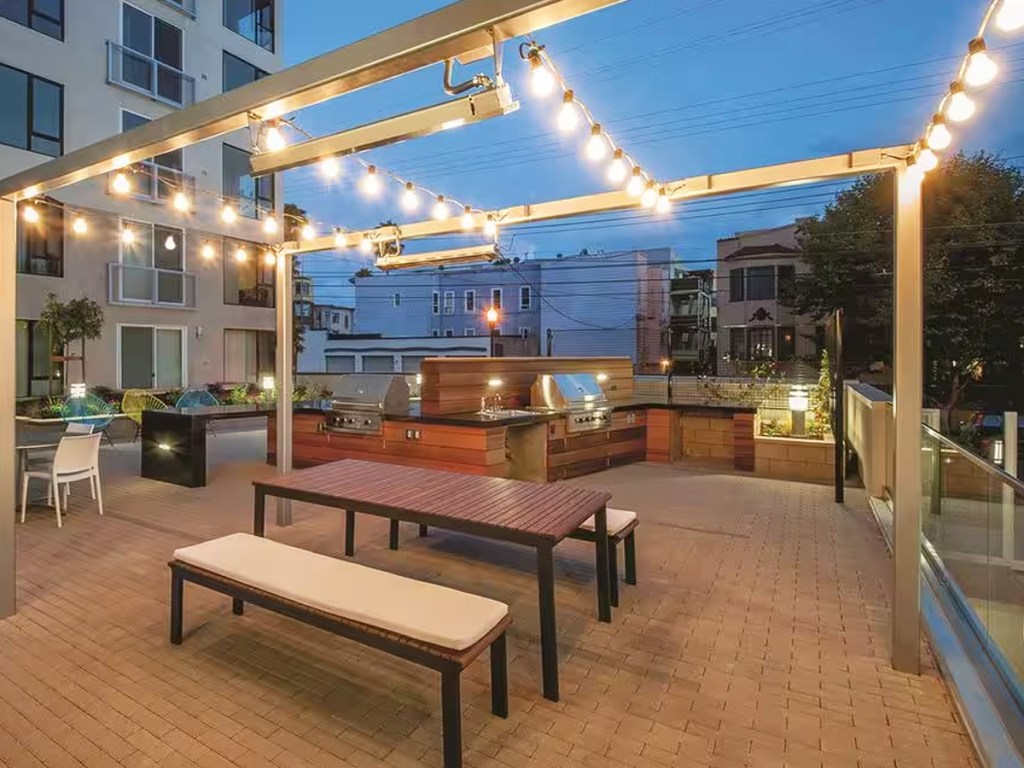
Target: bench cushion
<point x="617" y="520"/>
<point x="426" y="612"/>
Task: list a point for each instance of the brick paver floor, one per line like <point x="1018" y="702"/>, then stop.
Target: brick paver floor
<point x="758" y="635"/>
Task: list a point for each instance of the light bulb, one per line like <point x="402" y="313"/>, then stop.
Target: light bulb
<point x="1011" y="15"/>
<point x="339" y="238"/>
<point x="541" y="79"/>
<point x="927" y="160"/>
<point x="938" y="135"/>
<point x="275" y="140"/>
<point x="121" y="184"/>
<point x="371" y="181"/>
<point x="241" y="255"/>
<point x="597" y="147"/>
<point x="960" y="106"/>
<point x="662" y="204"/>
<point x="635" y="187"/>
<point x="30" y="214"/>
<point x="468" y="222"/>
<point x="568" y="115"/>
<point x="127" y="236"/>
<point x="79" y="226"/>
<point x="617" y="169"/>
<point x="307" y="232"/>
<point x="366" y="244"/>
<point x="915" y="174"/>
<point x="410" y="200"/>
<point x="981" y="69"/>
<point x="330" y="168"/>
<point x="440" y="209"/>
<point x="270" y="258"/>
<point x="649" y="197"/>
<point x="207" y="251"/>
<point x="180" y="202"/>
<point x="228" y="215"/>
<point x="490" y="227"/>
<point x="270" y="225"/>
<point x="170" y="244"/>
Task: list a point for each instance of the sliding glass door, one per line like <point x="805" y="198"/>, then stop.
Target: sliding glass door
<point x="151" y="357"/>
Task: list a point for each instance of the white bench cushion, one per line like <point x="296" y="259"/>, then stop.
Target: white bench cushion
<point x="426" y="612"/>
<point x="617" y="520"/>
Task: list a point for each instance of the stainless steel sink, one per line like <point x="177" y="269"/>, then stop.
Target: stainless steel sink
<point x="505" y="413"/>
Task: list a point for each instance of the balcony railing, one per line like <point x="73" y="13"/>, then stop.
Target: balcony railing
<point x="158" y="183"/>
<point x="151" y="287"/>
<point x="143" y="74"/>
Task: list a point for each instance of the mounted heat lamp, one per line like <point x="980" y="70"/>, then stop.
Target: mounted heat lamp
<point x="475" y="253"/>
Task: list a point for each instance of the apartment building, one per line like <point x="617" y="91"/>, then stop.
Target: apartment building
<point x="756" y="272"/>
<point x="694" y="319"/>
<point x="187" y="298"/>
<point x="332" y="318"/>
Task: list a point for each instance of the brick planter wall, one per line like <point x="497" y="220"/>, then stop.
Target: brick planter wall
<point x="791" y="458"/>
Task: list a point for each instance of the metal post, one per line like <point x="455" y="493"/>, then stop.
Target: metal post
<point x="8" y="338"/>
<point x="551" y="341"/>
<point x="838" y="395"/>
<point x="284" y="379"/>
<point x="1009" y="495"/>
<point x="908" y="350"/>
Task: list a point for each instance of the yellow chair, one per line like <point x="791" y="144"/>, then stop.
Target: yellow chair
<point x="136" y="401"/>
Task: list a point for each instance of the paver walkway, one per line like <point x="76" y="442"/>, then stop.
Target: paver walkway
<point x="758" y="636"/>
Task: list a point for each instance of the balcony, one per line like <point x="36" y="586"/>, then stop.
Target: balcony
<point x="131" y="285"/>
<point x="188" y="7"/>
<point x="157" y="183"/>
<point x="146" y="75"/>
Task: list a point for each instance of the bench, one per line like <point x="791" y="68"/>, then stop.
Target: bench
<point x="430" y="625"/>
<point x="622" y="525"/>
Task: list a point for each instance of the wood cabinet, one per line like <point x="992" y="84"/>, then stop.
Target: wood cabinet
<point x="573" y="454"/>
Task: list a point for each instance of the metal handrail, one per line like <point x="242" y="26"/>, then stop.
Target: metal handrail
<point x="1007" y="478"/>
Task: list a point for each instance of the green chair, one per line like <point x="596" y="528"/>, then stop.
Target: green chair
<point x="134" y="402"/>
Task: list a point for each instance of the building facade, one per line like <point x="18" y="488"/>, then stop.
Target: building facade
<point x="694" y="319"/>
<point x="187" y="298"/>
<point x="756" y="274"/>
<point x="333" y="318"/>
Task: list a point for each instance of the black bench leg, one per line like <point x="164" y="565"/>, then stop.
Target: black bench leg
<point x="451" y="718"/>
<point x="499" y="676"/>
<point x="393" y="535"/>
<point x="423" y="531"/>
<point x="237" y="606"/>
<point x="177" y="588"/>
<point x="350" y="533"/>
<point x="631" y="558"/>
<point x="613" y="571"/>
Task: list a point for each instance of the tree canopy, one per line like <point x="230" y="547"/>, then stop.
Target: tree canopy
<point x="973" y="272"/>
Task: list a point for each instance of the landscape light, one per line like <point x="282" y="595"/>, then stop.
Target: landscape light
<point x="267" y="383"/>
<point x="960" y="106"/>
<point x="78" y="389"/>
<point x="568" y="115"/>
<point x="981" y="69"/>
<point x="798" y="403"/>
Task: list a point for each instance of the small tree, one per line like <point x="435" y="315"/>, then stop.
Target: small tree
<point x="69" y="321"/>
<point x="821" y="396"/>
<point x="295" y="219"/>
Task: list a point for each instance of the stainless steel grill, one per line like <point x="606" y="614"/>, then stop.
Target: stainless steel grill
<point x="362" y="400"/>
<point x="578" y="395"/>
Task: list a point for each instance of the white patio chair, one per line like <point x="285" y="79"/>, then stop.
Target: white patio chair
<point x="78" y="428"/>
<point x="77" y="458"/>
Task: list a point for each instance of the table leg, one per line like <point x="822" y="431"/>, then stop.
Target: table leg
<point x="393" y="535"/>
<point x="604" y="604"/>
<point x="350" y="533"/>
<point x="259" y="508"/>
<point x="548" y="631"/>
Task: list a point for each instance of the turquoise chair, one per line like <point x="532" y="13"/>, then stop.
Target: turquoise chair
<point x="197" y="398"/>
<point x="91" y="410"/>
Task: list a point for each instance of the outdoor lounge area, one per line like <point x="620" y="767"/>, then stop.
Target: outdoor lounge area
<point x="758" y="634"/>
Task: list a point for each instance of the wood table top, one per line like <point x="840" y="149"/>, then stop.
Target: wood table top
<point x="548" y="511"/>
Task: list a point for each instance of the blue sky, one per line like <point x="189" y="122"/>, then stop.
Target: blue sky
<point x="687" y="86"/>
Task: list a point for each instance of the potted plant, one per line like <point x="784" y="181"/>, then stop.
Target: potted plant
<point x="69" y="321"/>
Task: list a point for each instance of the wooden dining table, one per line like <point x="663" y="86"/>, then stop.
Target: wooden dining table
<point x="537" y="515"/>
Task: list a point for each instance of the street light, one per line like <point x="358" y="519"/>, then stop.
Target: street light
<point x="493" y="318"/>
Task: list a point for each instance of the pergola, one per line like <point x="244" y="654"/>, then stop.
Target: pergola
<point x="470" y="29"/>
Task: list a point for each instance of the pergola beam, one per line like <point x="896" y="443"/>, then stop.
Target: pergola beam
<point x="455" y="30"/>
<point x="733" y="182"/>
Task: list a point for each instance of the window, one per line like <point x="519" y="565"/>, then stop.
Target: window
<point x="435" y="303"/>
<point x="435" y="332"/>
<point x="147" y="39"/>
<point x="496" y="298"/>
<point x="32" y="117"/>
<point x="449" y="302"/>
<point x="248" y="282"/>
<point x="736" y="284"/>
<point x="33" y="363"/>
<point x="252" y="196"/>
<point x="151" y="272"/>
<point x="238" y="73"/>
<point x="248" y="355"/>
<point x="335" y="318"/>
<point x="151" y="357"/>
<point x="737" y="344"/>
<point x="469" y="332"/>
<point x="761" y="343"/>
<point x="787" y="284"/>
<point x="470" y="299"/>
<point x="787" y="343"/>
<point x="252" y="19"/>
<point x="524" y="297"/>
<point x="159" y="177"/>
<point x="449" y="332"/>
<point x="760" y="283"/>
<point x="41" y="245"/>
<point x="524" y="333"/>
<point x="46" y="16"/>
<point x="396" y="300"/>
<point x="346" y="321"/>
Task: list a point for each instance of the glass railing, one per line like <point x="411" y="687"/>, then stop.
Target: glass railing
<point x="134" y="284"/>
<point x="973" y="530"/>
<point x="145" y="74"/>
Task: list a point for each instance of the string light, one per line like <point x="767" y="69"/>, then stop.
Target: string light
<point x="662" y="205"/>
<point x="228" y="215"/>
<point x="635" y="187"/>
<point x="30" y="214"/>
<point x="127" y="236"/>
<point x="274" y="139"/>
<point x="241" y="255"/>
<point x="169" y="243"/>
<point x="597" y="147"/>
<point x="981" y="69"/>
<point x="915" y="173"/>
<point x="270" y="225"/>
<point x="330" y="168"/>
<point x="121" y="185"/>
<point x="541" y="79"/>
<point x="410" y="200"/>
<point x="927" y="160"/>
<point x="339" y="238"/>
<point x="961" y="106"/>
<point x="366" y="244"/>
<point x="649" y="197"/>
<point x="270" y="258"/>
<point x="371" y="182"/>
<point x="440" y="211"/>
<point x="568" y="115"/>
<point x="617" y="169"/>
<point x="490" y="227"/>
<point x="1011" y="15"/>
<point x="180" y="202"/>
<point x="938" y="136"/>
<point x="79" y="226"/>
<point x="207" y="251"/>
<point x="467" y="218"/>
<point x="307" y="232"/>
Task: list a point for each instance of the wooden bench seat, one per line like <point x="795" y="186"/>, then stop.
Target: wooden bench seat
<point x="622" y="525"/>
<point x="434" y="626"/>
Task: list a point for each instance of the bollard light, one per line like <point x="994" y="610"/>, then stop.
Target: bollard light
<point x="78" y="389"/>
<point x="798" y="403"/>
<point x="267" y="383"/>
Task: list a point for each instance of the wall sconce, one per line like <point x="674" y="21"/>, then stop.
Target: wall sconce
<point x="78" y="389"/>
<point x="997" y="452"/>
<point x="798" y="403"/>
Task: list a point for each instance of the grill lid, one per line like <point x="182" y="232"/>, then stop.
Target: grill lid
<point x="568" y="392"/>
<point x="383" y="392"/>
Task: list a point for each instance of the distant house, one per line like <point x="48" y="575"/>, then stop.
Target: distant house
<point x="756" y="273"/>
<point x="693" y="320"/>
<point x="333" y="318"/>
